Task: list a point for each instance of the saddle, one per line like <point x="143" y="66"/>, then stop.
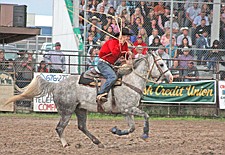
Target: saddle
<point x="93" y="78"/>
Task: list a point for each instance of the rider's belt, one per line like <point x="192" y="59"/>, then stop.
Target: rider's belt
<point x="106" y="62"/>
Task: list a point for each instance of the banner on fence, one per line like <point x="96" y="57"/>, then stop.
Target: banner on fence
<point x="200" y="92"/>
<point x="46" y="103"/>
<point x="221" y="91"/>
<point x="6" y="91"/>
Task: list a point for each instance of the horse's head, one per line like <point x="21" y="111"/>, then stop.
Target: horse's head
<point x="158" y="69"/>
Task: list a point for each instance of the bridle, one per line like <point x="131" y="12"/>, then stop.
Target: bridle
<point x="149" y="77"/>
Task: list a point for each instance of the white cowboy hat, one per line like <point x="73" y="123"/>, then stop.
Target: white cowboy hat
<point x="95" y="18"/>
<point x="184" y="28"/>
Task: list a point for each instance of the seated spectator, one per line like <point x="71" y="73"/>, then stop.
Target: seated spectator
<point x="153" y="25"/>
<point x="95" y="22"/>
<point x="92" y="60"/>
<point x="155" y="33"/>
<point x="42" y="67"/>
<point x="185" y="31"/>
<point x="163" y="18"/>
<point x="155" y="43"/>
<point x="9" y="67"/>
<point x="111" y="11"/>
<point x="93" y="30"/>
<point x="139" y="52"/>
<point x="161" y="52"/>
<point x="135" y="15"/>
<point x="115" y="26"/>
<point x="142" y="32"/>
<point x="214" y="55"/>
<point x="165" y="39"/>
<point x="190" y="14"/>
<point x="122" y="9"/>
<point x="159" y="9"/>
<point x="142" y="43"/>
<point x="184" y="43"/>
<point x="176" y="72"/>
<point x="175" y="25"/>
<point x="137" y="25"/>
<point x="106" y="4"/>
<point x="2" y="60"/>
<point x="184" y="58"/>
<point x="90" y="42"/>
<point x="198" y="19"/>
<point x="173" y="47"/>
<point x="199" y="29"/>
<point x="190" y="72"/>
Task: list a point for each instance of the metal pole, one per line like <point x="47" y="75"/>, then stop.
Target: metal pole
<point x="85" y="31"/>
<point x="171" y="30"/>
<point x="215" y="28"/>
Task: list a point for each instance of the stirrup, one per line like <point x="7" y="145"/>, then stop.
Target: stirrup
<point x="102" y="98"/>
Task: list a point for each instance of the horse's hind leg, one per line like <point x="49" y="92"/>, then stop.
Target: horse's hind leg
<point x="130" y="120"/>
<point x="64" y="120"/>
<point x="130" y="112"/>
<point x="82" y="118"/>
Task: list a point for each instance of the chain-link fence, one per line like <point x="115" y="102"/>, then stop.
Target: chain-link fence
<point x="182" y="31"/>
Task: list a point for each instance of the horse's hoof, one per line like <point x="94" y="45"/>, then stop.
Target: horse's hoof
<point x="66" y="145"/>
<point x="144" y="136"/>
<point x="101" y="145"/>
<point x="114" y="130"/>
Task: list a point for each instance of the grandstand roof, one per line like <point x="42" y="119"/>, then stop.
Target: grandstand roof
<point x="13" y="34"/>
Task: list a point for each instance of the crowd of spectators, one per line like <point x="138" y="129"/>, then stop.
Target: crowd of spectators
<point x="149" y="22"/>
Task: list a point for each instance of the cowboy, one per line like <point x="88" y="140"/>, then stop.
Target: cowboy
<point x="110" y="52"/>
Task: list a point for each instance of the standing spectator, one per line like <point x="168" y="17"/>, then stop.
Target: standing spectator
<point x="91" y="59"/>
<point x="142" y="43"/>
<point x="2" y="60"/>
<point x="190" y="72"/>
<point x="56" y="59"/>
<point x="184" y="58"/>
<point x="163" y="18"/>
<point x="10" y="68"/>
<point x="191" y="13"/>
<point x="155" y="43"/>
<point x="42" y="67"/>
<point x="202" y="43"/>
<point x="155" y="33"/>
<point x="184" y="31"/>
<point x="102" y="16"/>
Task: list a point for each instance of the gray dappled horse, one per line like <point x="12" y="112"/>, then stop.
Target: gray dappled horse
<point x="70" y="97"/>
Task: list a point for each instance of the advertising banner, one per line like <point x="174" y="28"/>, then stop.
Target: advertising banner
<point x="199" y="92"/>
<point x="221" y="91"/>
<point x="46" y="103"/>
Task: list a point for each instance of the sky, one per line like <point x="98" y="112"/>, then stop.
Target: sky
<point x="39" y="7"/>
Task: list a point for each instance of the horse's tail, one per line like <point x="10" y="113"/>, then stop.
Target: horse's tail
<point x="37" y="87"/>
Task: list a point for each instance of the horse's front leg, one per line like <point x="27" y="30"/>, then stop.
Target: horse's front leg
<point x="130" y="121"/>
<point x="130" y="112"/>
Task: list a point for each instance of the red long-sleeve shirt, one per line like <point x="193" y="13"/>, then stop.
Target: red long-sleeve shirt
<point x="111" y="50"/>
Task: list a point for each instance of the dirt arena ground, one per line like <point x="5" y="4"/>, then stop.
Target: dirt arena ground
<point x="37" y="136"/>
